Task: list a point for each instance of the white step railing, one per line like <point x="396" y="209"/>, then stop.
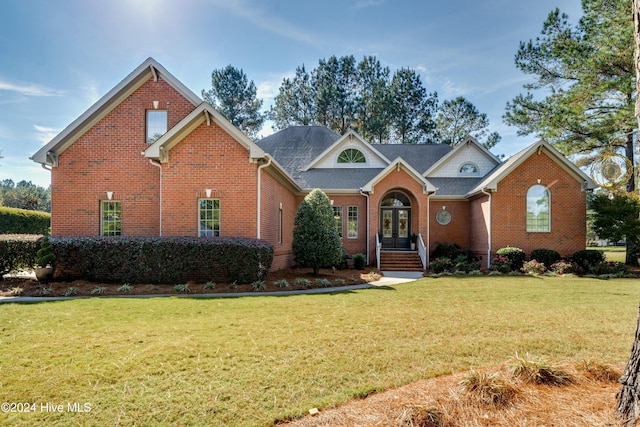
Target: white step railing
<point x="422" y="251"/>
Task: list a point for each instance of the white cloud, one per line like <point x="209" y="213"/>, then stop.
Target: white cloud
<point x="28" y="89"/>
<point x="45" y="134"/>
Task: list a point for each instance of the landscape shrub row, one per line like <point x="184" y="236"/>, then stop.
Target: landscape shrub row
<point x="22" y="221"/>
<point x="161" y="259"/>
<point x="512" y="260"/>
<point x="18" y="252"/>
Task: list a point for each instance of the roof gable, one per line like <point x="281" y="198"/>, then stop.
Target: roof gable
<point x="147" y="70"/>
<point x="397" y="164"/>
<point x="491" y="181"/>
<point x="469" y="152"/>
<point x="328" y="159"/>
<point x="203" y="114"/>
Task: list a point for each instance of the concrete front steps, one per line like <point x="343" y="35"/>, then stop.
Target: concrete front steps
<point x="400" y="261"/>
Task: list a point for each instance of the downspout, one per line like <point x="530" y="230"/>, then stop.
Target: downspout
<point x="368" y="225"/>
<point x="269" y="159"/>
<point x="488" y="228"/>
<point x="156" y="163"/>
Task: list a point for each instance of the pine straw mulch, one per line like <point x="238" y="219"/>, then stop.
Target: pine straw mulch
<point x="442" y="402"/>
<point x="31" y="288"/>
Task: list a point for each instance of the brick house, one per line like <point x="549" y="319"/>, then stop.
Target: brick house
<point x="150" y="158"/>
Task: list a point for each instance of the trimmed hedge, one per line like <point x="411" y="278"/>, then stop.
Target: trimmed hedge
<point x="586" y="259"/>
<point x="18" y="252"/>
<point x="125" y="259"/>
<point x="546" y="256"/>
<point x="22" y="221"/>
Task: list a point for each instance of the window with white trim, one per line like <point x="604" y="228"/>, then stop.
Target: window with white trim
<point x="468" y="168"/>
<point x="209" y="217"/>
<point x="351" y="155"/>
<point x="156" y="124"/>
<point x="538" y="209"/>
<point x="111" y="218"/>
<point x="352" y="222"/>
<point x="337" y="217"/>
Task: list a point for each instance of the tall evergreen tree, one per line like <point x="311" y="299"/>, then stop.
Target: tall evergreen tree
<point x="334" y="81"/>
<point x="372" y="100"/>
<point x="316" y="242"/>
<point x="412" y="109"/>
<point x="235" y="97"/>
<point x="295" y="102"/>
<point x="459" y="118"/>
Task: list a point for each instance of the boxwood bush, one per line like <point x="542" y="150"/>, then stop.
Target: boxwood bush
<point x="546" y="256"/>
<point x="18" y="252"/>
<point x="22" y="221"/>
<point x="587" y="259"/>
<point x="125" y="259"/>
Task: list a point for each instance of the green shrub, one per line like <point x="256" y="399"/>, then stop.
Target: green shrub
<point x="586" y="259"/>
<point x="182" y="288"/>
<point x="302" y="282"/>
<point x="22" y="221"/>
<point x="323" y="282"/>
<point x="125" y="288"/>
<point x="440" y="265"/>
<point x="316" y="242"/>
<point x="533" y="268"/>
<point x="359" y="261"/>
<point x="161" y="259"/>
<point x="258" y="285"/>
<point x="45" y="255"/>
<point x="447" y="250"/>
<point x="210" y="285"/>
<point x="98" y="290"/>
<point x="17" y="252"/>
<point x="282" y="283"/>
<point x="545" y="256"/>
<point x="515" y="256"/>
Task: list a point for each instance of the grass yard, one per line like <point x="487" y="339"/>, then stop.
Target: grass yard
<point x="613" y="253"/>
<point x="257" y="360"/>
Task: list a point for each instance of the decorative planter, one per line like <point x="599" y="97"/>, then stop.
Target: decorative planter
<point x="44" y="274"/>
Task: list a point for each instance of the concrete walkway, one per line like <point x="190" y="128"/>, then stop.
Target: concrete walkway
<point x="390" y="278"/>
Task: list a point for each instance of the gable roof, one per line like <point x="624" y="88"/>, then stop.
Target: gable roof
<point x="456" y="149"/>
<point x="350" y="136"/>
<point x="419" y="156"/>
<point x="398" y="163"/>
<point x="498" y="174"/>
<point x="203" y="114"/>
<point x="148" y="69"/>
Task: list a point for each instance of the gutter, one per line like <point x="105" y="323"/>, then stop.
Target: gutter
<point x="428" y="249"/>
<point x="269" y="159"/>
<point x="483" y="190"/>
<point x="156" y="163"/>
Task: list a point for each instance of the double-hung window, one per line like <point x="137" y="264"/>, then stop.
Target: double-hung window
<point x="111" y="218"/>
<point x="209" y="217"/>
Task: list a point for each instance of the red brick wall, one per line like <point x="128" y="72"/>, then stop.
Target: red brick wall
<point x="479" y="228"/>
<point x="457" y="231"/>
<point x="273" y="195"/>
<point x="352" y="245"/>
<point x="209" y="158"/>
<point x="568" y="208"/>
<point x="107" y="158"/>
<point x="402" y="181"/>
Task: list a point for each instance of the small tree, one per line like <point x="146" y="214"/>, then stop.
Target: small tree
<point x="316" y="242"/>
<point x="617" y="218"/>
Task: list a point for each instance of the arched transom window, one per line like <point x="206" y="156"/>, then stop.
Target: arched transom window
<point x="395" y="199"/>
<point x="351" y="155"/>
<point x="538" y="209"/>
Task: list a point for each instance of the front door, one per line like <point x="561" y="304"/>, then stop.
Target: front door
<point x="395" y="224"/>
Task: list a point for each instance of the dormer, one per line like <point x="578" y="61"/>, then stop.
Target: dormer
<point x="349" y="151"/>
<point x="468" y="159"/>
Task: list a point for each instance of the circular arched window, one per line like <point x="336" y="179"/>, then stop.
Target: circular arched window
<point x="351" y="155"/>
<point x="468" y="168"/>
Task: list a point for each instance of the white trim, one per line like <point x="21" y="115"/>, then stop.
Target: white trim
<point x="458" y="147"/>
<point x="348" y="137"/>
<point x="398" y="164"/>
<point x="138" y="77"/>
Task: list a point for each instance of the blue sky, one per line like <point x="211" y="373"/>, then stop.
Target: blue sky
<point x="58" y="57"/>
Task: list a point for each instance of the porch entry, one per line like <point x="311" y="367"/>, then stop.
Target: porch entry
<point x="395" y="221"/>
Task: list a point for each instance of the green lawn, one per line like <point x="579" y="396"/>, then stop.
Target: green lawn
<point x="251" y="361"/>
<point x="613" y="253"/>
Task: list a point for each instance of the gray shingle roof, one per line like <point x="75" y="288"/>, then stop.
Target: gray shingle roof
<point x="336" y="179"/>
<point x="296" y="146"/>
<point x="420" y="156"/>
<point x="454" y="186"/>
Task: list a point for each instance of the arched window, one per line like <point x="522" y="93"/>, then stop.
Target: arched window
<point x="538" y="209"/>
<point x="395" y="199"/>
<point x="351" y="155"/>
<point x="468" y="168"/>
